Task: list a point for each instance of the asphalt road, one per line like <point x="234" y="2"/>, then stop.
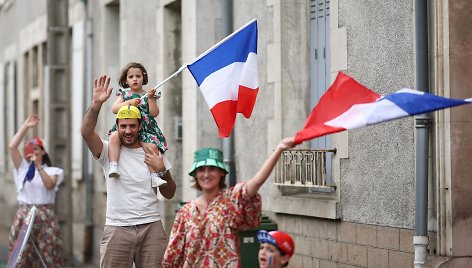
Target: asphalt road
<point x="4" y="232"/>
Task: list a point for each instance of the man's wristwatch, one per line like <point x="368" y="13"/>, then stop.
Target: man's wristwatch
<point x="161" y="174"/>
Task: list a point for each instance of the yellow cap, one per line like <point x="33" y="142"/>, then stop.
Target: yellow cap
<point x="128" y="112"/>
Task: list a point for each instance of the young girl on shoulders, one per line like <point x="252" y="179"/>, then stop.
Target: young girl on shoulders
<point x="132" y="78"/>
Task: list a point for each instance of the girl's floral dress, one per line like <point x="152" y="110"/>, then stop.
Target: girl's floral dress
<point x="210" y="239"/>
<point x="149" y="131"/>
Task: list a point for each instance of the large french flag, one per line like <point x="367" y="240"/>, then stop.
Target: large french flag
<point x="349" y="105"/>
<point x="227" y="77"/>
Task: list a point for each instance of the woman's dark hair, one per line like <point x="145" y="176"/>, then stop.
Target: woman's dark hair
<point x="46" y="160"/>
<point x="124" y="73"/>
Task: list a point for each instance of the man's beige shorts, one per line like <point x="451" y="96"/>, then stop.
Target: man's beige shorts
<point x="143" y="244"/>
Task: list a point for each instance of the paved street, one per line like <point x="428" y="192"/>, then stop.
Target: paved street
<point x="4" y="232"/>
<point x="3" y="246"/>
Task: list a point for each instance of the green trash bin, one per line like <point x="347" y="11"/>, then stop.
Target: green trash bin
<point x="179" y="206"/>
<point x="249" y="243"/>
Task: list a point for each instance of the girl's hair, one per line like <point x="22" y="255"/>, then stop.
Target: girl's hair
<point x="124" y="73"/>
<point x="47" y="160"/>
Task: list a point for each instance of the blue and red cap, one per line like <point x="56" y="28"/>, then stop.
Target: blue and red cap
<point x="281" y="240"/>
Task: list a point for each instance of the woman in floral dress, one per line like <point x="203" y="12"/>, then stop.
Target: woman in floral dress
<point x="36" y="182"/>
<point x="205" y="230"/>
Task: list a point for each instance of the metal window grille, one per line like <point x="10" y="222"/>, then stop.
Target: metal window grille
<point x="302" y="168"/>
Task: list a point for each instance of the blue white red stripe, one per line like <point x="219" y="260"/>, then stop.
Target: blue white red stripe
<point x="228" y="78"/>
<point x="349" y="105"/>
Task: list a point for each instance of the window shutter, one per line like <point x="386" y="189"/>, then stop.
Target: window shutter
<point x="319" y="58"/>
<point x="320" y="67"/>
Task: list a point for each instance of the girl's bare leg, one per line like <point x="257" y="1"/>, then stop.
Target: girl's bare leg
<point x="114" y="147"/>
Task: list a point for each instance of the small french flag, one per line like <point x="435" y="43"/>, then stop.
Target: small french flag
<point x="228" y="77"/>
<point x="349" y="105"/>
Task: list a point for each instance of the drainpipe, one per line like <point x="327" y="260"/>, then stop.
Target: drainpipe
<point x="87" y="163"/>
<point x="422" y="124"/>
<point x="228" y="143"/>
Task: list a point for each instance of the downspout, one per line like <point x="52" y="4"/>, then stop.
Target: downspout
<point x="228" y="143"/>
<point x="87" y="165"/>
<point x="422" y="124"/>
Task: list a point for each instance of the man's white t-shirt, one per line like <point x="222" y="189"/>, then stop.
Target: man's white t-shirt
<point x="130" y="197"/>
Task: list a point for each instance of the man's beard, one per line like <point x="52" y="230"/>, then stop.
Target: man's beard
<point x="125" y="141"/>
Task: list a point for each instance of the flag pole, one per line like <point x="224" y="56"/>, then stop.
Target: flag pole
<point x="201" y="56"/>
<point x="167" y="79"/>
<point x="171" y="76"/>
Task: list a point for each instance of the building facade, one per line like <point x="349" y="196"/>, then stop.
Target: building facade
<point x="349" y="199"/>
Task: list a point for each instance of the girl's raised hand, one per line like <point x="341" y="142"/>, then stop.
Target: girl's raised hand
<point x="286" y="143"/>
<point x="32" y="120"/>
<point x="37" y="160"/>
<point x="151" y="93"/>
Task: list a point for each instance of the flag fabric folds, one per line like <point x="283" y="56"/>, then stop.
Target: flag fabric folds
<point x="349" y="105"/>
<point x="228" y="78"/>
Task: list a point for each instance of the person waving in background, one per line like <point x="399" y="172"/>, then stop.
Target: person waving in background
<point x="132" y="78"/>
<point x="205" y="230"/>
<point x="36" y="182"/>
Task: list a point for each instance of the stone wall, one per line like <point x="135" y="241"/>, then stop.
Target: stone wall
<point x="334" y="243"/>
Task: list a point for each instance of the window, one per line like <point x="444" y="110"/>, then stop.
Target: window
<point x="8" y="90"/>
<point x="312" y="168"/>
<point x="34" y="67"/>
<point x="78" y="87"/>
<point x="303" y="177"/>
<point x="320" y="69"/>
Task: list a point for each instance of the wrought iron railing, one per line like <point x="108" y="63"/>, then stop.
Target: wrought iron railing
<point x="303" y="168"/>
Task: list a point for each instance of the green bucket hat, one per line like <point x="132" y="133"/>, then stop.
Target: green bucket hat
<point x="207" y="157"/>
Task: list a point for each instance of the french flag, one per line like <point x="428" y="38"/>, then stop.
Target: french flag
<point x="349" y="105"/>
<point x="227" y="77"/>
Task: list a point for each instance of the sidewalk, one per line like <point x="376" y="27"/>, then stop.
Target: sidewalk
<point x="4" y="232"/>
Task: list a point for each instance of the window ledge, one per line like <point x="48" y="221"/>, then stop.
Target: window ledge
<point x="313" y="207"/>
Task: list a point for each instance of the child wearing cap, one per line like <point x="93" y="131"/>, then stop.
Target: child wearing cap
<point x="276" y="248"/>
<point x="132" y="79"/>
